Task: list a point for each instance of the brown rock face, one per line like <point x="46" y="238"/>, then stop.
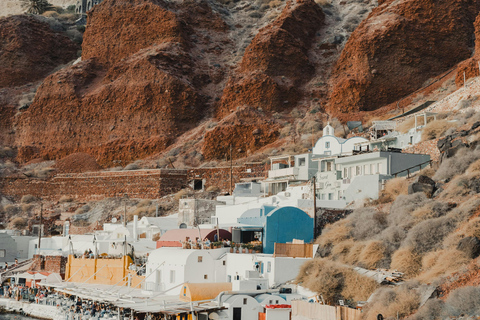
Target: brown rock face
<point x="470" y="66"/>
<point x="116" y="115"/>
<point x="397" y="48"/>
<point x="246" y="131"/>
<point x="119" y="28"/>
<point x="136" y="90"/>
<point x="276" y="61"/>
<point x="29" y="50"/>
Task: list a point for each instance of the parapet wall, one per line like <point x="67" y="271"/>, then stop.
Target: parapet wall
<point x="142" y="184"/>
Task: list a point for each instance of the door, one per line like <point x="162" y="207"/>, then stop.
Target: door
<point x="237" y="313"/>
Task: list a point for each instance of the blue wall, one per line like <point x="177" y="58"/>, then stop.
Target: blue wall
<point x="285" y="224"/>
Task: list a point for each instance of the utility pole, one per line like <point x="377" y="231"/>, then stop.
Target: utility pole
<point x="40" y="227"/>
<point x="314" y="207"/>
<point x="125" y="198"/>
<point x="231" y="171"/>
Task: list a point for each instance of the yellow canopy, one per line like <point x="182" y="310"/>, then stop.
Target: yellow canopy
<point x="203" y="291"/>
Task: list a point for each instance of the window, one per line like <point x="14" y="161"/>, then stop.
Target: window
<point x="358" y="170"/>
<point x="365" y="169"/>
<point x="244" y="300"/>
<point x="200" y="259"/>
<point x="345" y="173"/>
<point x="301" y="162"/>
<point x="329" y="166"/>
<point x="330" y="196"/>
<point x="322" y="196"/>
<point x="224" y="262"/>
<point x="172" y="276"/>
<point x="205" y="276"/>
<point x="3" y="253"/>
<point x="372" y="169"/>
<point x="269" y="266"/>
<point x="327" y="145"/>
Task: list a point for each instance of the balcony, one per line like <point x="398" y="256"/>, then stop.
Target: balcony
<point x="281" y="173"/>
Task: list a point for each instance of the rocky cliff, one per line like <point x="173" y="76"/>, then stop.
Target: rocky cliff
<point x="154" y="71"/>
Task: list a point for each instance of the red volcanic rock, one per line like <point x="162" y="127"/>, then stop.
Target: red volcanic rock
<point x="246" y="131"/>
<point x="279" y="51"/>
<point x="29" y="50"/>
<point x="470" y="66"/>
<point x="133" y="110"/>
<point x="119" y="28"/>
<point x="397" y="48"/>
<point x="77" y="162"/>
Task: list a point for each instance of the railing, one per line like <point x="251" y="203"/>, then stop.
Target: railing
<point x="415" y="166"/>
<point x="292" y="171"/>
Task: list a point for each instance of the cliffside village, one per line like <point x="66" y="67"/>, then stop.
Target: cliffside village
<point x="231" y="258"/>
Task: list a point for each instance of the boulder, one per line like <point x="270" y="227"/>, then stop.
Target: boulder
<point x="471" y="246"/>
<point x="422" y="184"/>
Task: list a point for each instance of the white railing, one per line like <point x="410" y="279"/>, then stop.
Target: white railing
<point x="292" y="171"/>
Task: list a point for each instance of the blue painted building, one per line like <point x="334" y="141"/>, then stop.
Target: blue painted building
<point x="276" y="224"/>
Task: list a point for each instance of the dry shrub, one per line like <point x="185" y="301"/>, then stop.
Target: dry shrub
<point x="431" y="209"/>
<point x="28" y="199"/>
<point x="465" y="210"/>
<point x="358" y="287"/>
<point x="474" y="167"/>
<point x="392" y="238"/>
<point x="395" y="187"/>
<point x="406" y="261"/>
<point x="353" y="255"/>
<point x="83" y="209"/>
<point x="463" y="185"/>
<point x="334" y="234"/>
<point x="372" y="254"/>
<point x="409" y="124"/>
<point x="428" y="172"/>
<point x="144" y="203"/>
<point x="433" y="309"/>
<point x="429" y="234"/>
<point x="471" y="228"/>
<point x="402" y="208"/>
<point x="436" y="129"/>
<point x="389" y="302"/>
<point x="156" y="237"/>
<point x="441" y="263"/>
<point x="11" y="209"/>
<point x="213" y="189"/>
<point x="342" y="249"/>
<point x="26" y="207"/>
<point x="275" y="3"/>
<point x="464" y="301"/>
<point x="323" y="3"/>
<point x="367" y="222"/>
<point x="181" y="194"/>
<point x="65" y="199"/>
<point x="334" y="281"/>
<point x="142" y="211"/>
<point x="50" y="14"/>
<point x="457" y="164"/>
<point x="19" y="223"/>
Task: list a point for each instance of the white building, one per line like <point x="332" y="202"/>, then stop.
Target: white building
<point x="168" y="268"/>
<point x="342" y="180"/>
<point x="330" y="145"/>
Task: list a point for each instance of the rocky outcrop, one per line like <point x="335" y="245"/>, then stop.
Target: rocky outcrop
<point x="422" y="184"/>
<point x="117" y="29"/>
<point x="470" y="67"/>
<point x="130" y="97"/>
<point x="29" y="50"/>
<point x="245" y="131"/>
<point x="397" y="48"/>
<point x="276" y="62"/>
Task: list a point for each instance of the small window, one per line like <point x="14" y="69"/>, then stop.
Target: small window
<point x="358" y="170"/>
<point x="276" y="301"/>
<point x="301" y="162"/>
<point x="224" y="262"/>
<point x="329" y="166"/>
<point x="330" y="196"/>
<point x="205" y="276"/>
<point x="327" y="145"/>
<point x="172" y="276"/>
<point x="345" y="173"/>
<point x="244" y="300"/>
<point x="200" y="259"/>
<point x="269" y="266"/>
<point x="3" y="253"/>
